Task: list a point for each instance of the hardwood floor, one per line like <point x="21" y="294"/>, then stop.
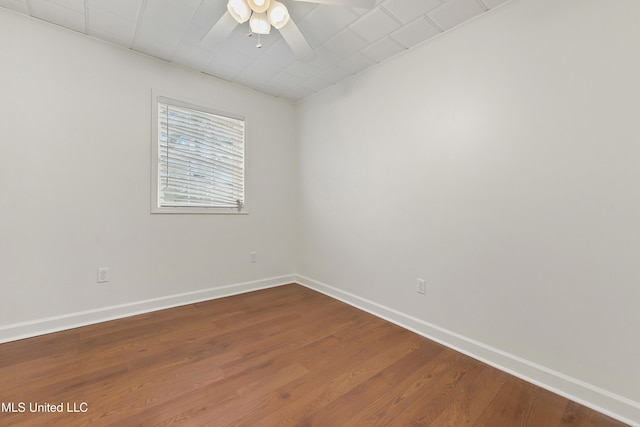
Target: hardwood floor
<point x="277" y="357"/>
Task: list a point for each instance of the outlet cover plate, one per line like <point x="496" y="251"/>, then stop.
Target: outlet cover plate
<point x="103" y="275"/>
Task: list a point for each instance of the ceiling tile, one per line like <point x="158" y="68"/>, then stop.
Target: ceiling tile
<point x="17" y="5"/>
<point x="69" y="14"/>
<point x="159" y="33"/>
<point x="230" y="61"/>
<point x="324" y="58"/>
<point x="151" y="47"/>
<point x="416" y="31"/>
<point x="383" y="49"/>
<point x="165" y="21"/>
<point x="325" y="21"/>
<point x="285" y="79"/>
<point x="228" y="65"/>
<point x="128" y="10"/>
<point x="205" y="18"/>
<point x="345" y="43"/>
<point x="316" y="84"/>
<point x="252" y="77"/>
<point x="300" y="10"/>
<point x="345" y="40"/>
<point x="282" y="52"/>
<point x="490" y="4"/>
<point x="334" y="74"/>
<point x="455" y="12"/>
<point x="298" y="93"/>
<point x="192" y="56"/>
<point x="222" y="72"/>
<point x="248" y="45"/>
<point x="374" y="25"/>
<point x="303" y="70"/>
<point x="73" y="5"/>
<point x="104" y="23"/>
<point x="171" y="13"/>
<point x="408" y="10"/>
<point x="356" y="63"/>
<point x="118" y="39"/>
<point x="267" y="65"/>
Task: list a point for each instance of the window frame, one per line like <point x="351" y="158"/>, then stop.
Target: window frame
<point x="158" y="97"/>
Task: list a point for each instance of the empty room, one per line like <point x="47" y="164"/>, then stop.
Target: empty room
<point x="320" y="212"/>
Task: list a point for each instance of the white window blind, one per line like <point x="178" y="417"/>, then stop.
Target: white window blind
<point x="200" y="157"/>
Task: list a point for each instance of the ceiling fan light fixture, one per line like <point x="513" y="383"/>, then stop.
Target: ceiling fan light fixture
<point x="259" y="6"/>
<point x="259" y="23"/>
<point x="278" y="14"/>
<point x="240" y="10"/>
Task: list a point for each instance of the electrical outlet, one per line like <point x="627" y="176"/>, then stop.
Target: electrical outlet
<point x="421" y="286"/>
<point x="103" y="275"/>
<point x="253" y="257"/>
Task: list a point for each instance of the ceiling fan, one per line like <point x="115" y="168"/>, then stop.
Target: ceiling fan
<point x="263" y="14"/>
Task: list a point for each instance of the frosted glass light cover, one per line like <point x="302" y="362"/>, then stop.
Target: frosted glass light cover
<point x="278" y="14"/>
<point x="239" y="9"/>
<point x="259" y="23"/>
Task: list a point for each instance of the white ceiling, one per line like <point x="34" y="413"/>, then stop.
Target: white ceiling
<point x="346" y="40"/>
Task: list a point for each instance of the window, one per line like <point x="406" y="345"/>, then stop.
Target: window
<point x="198" y="159"/>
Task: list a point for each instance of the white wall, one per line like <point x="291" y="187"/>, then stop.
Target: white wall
<point x="75" y="185"/>
<point x="500" y="163"/>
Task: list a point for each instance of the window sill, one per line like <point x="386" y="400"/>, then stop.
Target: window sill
<point x="198" y="211"/>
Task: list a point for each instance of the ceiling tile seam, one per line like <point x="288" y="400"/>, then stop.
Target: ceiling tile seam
<point x="143" y="7"/>
<point x="213" y="58"/>
<point x="28" y="4"/>
<point x="392" y="40"/>
<point x="432" y="22"/>
<point x="64" y="8"/>
<point x="303" y="18"/>
<point x="344" y="30"/>
<point x="465" y="22"/>
<point x="482" y="5"/>
<point x="193" y="18"/>
<point x="177" y="46"/>
<point x="256" y="59"/>
<point x="316" y="70"/>
<point x="341" y="67"/>
<point x="354" y="10"/>
<point x="390" y="15"/>
<point x="425" y="17"/>
<point x="364" y="16"/>
<point x="218" y="77"/>
<point x="272" y="78"/>
<point x="388" y="35"/>
<point x="442" y="32"/>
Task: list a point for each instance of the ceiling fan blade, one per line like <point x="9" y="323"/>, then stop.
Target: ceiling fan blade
<point x="364" y="4"/>
<point x="225" y="25"/>
<point x="296" y="41"/>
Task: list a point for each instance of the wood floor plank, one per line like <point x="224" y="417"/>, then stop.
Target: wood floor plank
<point x="579" y="415"/>
<point x="327" y="383"/>
<point x="430" y="399"/>
<point x="467" y="406"/>
<point x="354" y="402"/>
<point x="403" y="394"/>
<point x="283" y="356"/>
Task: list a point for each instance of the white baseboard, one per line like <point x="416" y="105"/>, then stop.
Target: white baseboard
<point x="613" y="405"/>
<point x="47" y="325"/>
